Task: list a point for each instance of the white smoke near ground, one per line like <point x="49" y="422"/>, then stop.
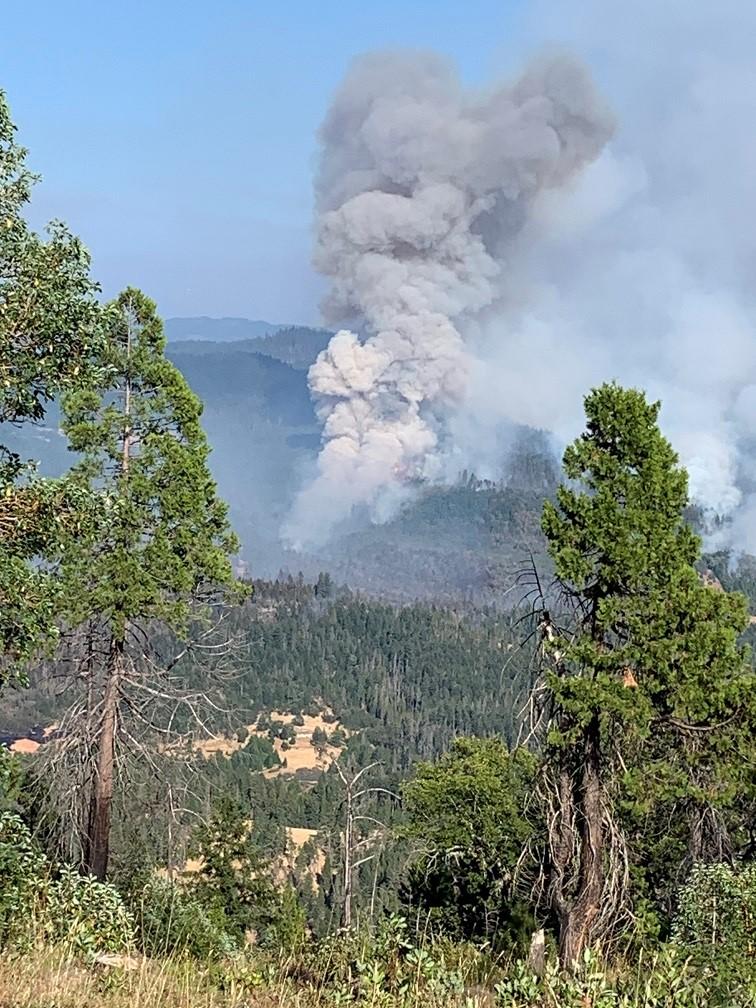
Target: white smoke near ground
<point x="500" y="254"/>
<point x="645" y="271"/>
<point x="423" y="190"/>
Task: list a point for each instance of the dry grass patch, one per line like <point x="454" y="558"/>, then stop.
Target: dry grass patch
<point x="299" y="754"/>
<point x="50" y="980"/>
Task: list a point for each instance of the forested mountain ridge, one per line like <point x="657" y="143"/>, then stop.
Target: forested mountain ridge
<point x="292" y="344"/>
<point x="203" y="327"/>
<point x="261" y="424"/>
<point x="407" y="677"/>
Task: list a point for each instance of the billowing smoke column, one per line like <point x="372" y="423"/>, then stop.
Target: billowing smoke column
<point x="422" y="191"/>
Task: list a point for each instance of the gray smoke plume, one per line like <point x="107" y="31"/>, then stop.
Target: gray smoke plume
<point x="423" y="192"/>
<point x="644" y="269"/>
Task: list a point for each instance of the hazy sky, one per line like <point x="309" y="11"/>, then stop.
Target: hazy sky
<point x="177" y="138"/>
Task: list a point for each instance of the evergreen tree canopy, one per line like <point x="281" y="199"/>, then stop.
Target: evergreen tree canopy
<point x="160" y="546"/>
<point x="651" y="693"/>
<point x="48" y="312"/>
<point x="49" y="332"/>
<point x="164" y="532"/>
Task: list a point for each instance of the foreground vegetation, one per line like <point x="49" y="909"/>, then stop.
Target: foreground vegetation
<point x="390" y="967"/>
<point x="548" y="806"/>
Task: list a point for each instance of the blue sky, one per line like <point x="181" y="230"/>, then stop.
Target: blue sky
<point x="177" y="138"/>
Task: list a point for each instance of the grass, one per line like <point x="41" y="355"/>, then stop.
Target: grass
<point x="50" y="979"/>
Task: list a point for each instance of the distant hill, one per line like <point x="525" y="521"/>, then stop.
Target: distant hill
<point x="294" y="345"/>
<point x="238" y="379"/>
<point x="451" y="543"/>
<point x="219" y="330"/>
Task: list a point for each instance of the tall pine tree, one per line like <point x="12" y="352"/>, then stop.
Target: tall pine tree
<point x="163" y="536"/>
<point x="649" y="694"/>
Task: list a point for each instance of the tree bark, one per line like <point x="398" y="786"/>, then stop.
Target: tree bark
<point x="579" y="913"/>
<point x="97" y="846"/>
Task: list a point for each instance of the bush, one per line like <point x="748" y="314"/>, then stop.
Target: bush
<point x="666" y="981"/>
<point x="38" y="904"/>
<point x="88" y="915"/>
<point x="389" y="967"/>
<point x="716" y="926"/>
<point x="171" y="920"/>
<point x="23" y="879"/>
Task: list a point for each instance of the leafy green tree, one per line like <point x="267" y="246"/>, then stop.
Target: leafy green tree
<point x="320" y="741"/>
<point x="163" y="541"/>
<point x="235" y="881"/>
<point x="49" y="321"/>
<point x="465" y="813"/>
<point x="649" y="694"/>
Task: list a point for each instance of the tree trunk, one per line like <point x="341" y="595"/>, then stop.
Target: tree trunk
<point x="98" y="832"/>
<point x="346" y="913"/>
<point x="97" y="846"/>
<point x="579" y="913"/>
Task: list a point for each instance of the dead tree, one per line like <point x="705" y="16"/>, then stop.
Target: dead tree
<point x="125" y="727"/>
<point x="352" y="845"/>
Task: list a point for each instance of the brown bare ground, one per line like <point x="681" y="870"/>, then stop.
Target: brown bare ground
<point x="301" y="754"/>
<point x="26" y="746"/>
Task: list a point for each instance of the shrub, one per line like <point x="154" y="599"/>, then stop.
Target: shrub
<point x="88" y="915"/>
<point x="38" y="904"/>
<point x="716" y="926"/>
<point x="667" y="981"/>
<point x="171" y="920"/>
<point x="23" y="878"/>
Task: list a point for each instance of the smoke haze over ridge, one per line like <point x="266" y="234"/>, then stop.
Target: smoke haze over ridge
<point x="644" y="271"/>
<point x="634" y="261"/>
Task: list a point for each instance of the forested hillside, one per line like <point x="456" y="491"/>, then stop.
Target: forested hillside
<point x="264" y="435"/>
<point x="496" y="751"/>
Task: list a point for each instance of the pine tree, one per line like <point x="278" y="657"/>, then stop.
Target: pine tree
<point x="163" y="535"/>
<point x="650" y="697"/>
<point x="48" y="331"/>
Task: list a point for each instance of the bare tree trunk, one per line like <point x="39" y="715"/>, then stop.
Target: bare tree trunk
<point x="98" y="833"/>
<point x="579" y="913"/>
<point x="346" y="915"/>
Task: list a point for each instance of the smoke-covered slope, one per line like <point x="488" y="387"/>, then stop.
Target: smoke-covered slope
<point x="260" y="423"/>
<point x="441" y="544"/>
